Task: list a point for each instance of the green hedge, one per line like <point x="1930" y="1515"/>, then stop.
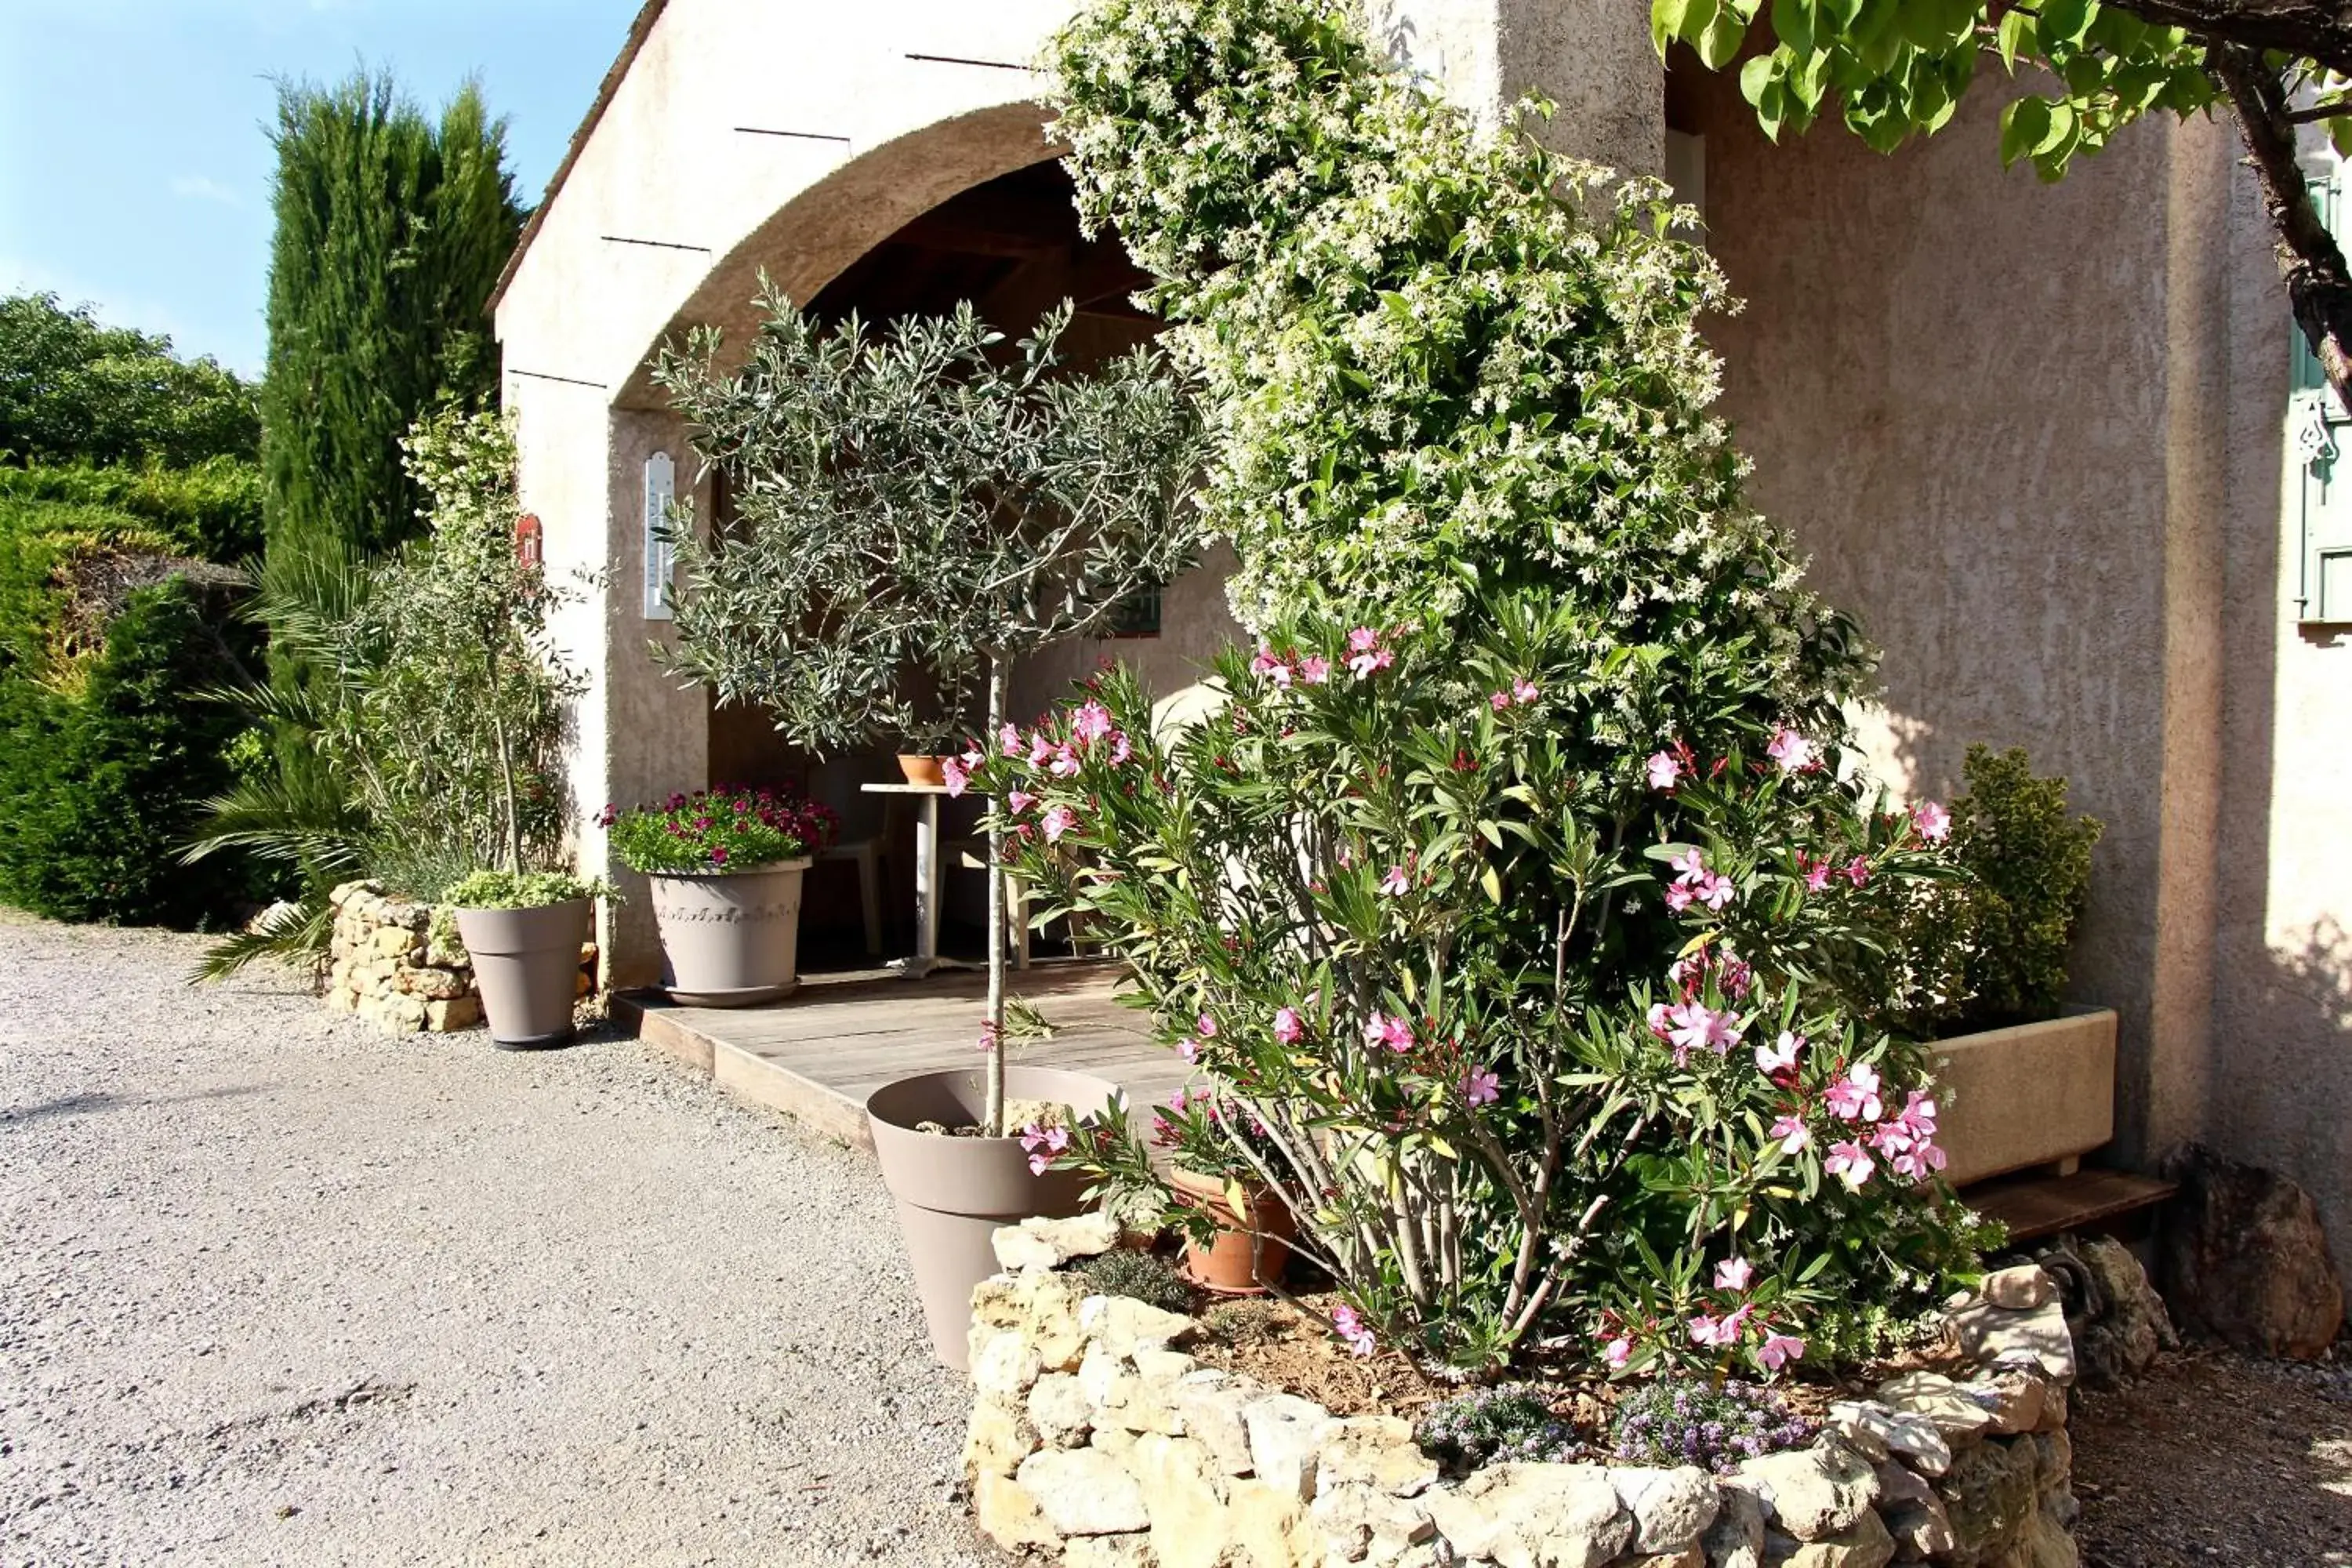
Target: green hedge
<point x="211" y="512"/>
<point x="101" y="787"/>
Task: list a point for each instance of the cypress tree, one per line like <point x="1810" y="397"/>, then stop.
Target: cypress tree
<point x="391" y="232"/>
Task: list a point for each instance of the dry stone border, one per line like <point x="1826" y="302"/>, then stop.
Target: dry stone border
<point x="1097" y="1442"/>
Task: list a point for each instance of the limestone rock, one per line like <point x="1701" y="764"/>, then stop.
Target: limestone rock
<point x="1103" y="1376"/>
<point x="1008" y="1515"/>
<point x="1123" y="1325"/>
<point x="1109" y="1552"/>
<point x="1017" y="1250"/>
<point x="996" y="1439"/>
<point x="1038" y="1242"/>
<point x="1815" y="1491"/>
<point x="1691" y="1556"/>
<point x="1993" y="1336"/>
<point x="2244" y="1259"/>
<point x="1736" y="1538"/>
<point x="1163" y="1366"/>
<point x="1877" y="1431"/>
<point x="1184" y="1496"/>
<point x="1060" y="1411"/>
<point x="1921" y="1529"/>
<point x="1376" y="1451"/>
<point x="1006" y="1365"/>
<point x="2015" y="1399"/>
<point x="2019" y="1288"/>
<point x="1671" y="1509"/>
<point x="1364" y="1524"/>
<point x="1988" y="1495"/>
<point x="1271" y="1528"/>
<point x="1211" y="1404"/>
<point x="1534" y="1516"/>
<point x="454" y="1014"/>
<point x="1083" y="1491"/>
<point x="1863" y="1544"/>
<point x="436" y="984"/>
<point x="2118" y="1321"/>
<point x="1935" y="1398"/>
<point x="1043" y="1306"/>
<point x="1286" y="1434"/>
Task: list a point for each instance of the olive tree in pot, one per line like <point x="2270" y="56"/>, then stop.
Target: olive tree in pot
<point x="919" y="508"/>
<point x="725" y="866"/>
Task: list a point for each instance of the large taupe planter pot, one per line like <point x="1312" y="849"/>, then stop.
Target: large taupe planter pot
<point x="954" y="1193"/>
<point x="730" y="940"/>
<point x="2030" y="1095"/>
<point x="527" y="967"/>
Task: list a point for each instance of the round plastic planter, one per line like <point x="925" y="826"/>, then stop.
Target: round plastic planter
<point x="730" y="940"/>
<point x="954" y="1193"/>
<point x="1237" y="1263"/>
<point x="527" y="967"/>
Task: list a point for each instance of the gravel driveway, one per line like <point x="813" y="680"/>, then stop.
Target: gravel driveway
<point x="277" y="1289"/>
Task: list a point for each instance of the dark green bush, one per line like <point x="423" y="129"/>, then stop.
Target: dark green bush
<point x="73" y="389"/>
<point x="2032" y="865"/>
<point x="1146" y="1276"/>
<point x="101" y="781"/>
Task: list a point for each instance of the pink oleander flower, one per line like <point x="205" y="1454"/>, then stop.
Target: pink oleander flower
<point x="1315" y="670"/>
<point x="1854" y="1096"/>
<point x="1040" y="749"/>
<point x="1889" y="1138"/>
<point x="987" y="1041"/>
<point x="1708" y="1329"/>
<point x="1363" y="639"/>
<point x="1498" y="700"/>
<point x="1690" y="866"/>
<point x="1817" y="874"/>
<point x="1264" y="663"/>
<point x="1791" y="1133"/>
<point x="1280" y="676"/>
<point x="1008" y="740"/>
<point x="1922" y="1160"/>
<point x="1857" y="870"/>
<point x="1205" y="1026"/>
<point x="1680" y="897"/>
<point x="1684" y="971"/>
<point x="1779" y="1350"/>
<point x="1696" y="1026"/>
<point x="1480" y="1087"/>
<point x="1092" y="723"/>
<point x="1918" y="1113"/>
<point x="1664" y="768"/>
<point x="1352" y="1332"/>
<point x="1287" y="1028"/>
<point x="1618" y="1352"/>
<point x="1715" y="890"/>
<point x="1119" y="747"/>
<point x="1057" y="820"/>
<point x="1524" y="691"/>
<point x="1065" y="763"/>
<point x="1395" y="882"/>
<point x="1020" y="800"/>
<point x="1734" y="1274"/>
<point x="956" y="775"/>
<point x="1781" y="1057"/>
<point x="1739" y="978"/>
<point x="1189" y="1048"/>
<point x="1791" y="750"/>
<point x="1396" y="1034"/>
<point x="1934" y="823"/>
<point x="1850" y="1163"/>
<point x="1658" y="1022"/>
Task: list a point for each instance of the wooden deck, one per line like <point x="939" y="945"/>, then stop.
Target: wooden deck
<point x="819" y="1053"/>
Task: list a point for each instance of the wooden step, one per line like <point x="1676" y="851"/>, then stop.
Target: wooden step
<point x="2033" y="1206"/>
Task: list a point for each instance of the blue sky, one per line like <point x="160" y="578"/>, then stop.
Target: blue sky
<point x="134" y="170"/>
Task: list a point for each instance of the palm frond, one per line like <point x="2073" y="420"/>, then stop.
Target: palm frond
<point x="292" y="932"/>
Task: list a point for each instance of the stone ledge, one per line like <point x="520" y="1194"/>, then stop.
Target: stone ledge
<point x="1095" y="1439"/>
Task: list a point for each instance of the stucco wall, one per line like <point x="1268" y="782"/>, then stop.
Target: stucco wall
<point x="1958" y="409"/>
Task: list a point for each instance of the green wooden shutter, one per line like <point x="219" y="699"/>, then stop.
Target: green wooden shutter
<point x="2318" y="429"/>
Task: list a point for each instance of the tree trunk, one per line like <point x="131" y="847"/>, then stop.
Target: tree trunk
<point x="994" y="1126"/>
<point x="2318" y="283"/>
<point x="513" y="825"/>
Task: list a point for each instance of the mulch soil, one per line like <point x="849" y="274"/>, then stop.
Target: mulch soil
<point x="2217" y="1459"/>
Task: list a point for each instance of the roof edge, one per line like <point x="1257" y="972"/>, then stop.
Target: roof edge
<point x="639" y="28"/>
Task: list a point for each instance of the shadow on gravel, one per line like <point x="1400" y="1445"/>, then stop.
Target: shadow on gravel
<point x="90" y="1104"/>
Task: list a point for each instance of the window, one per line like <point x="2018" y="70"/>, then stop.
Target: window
<point x="1137" y="615"/>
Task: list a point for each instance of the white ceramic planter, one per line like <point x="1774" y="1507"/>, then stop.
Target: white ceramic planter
<point x="2030" y="1095"/>
<point x="730" y="941"/>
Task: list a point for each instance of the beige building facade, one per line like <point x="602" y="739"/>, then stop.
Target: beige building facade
<point x="2044" y="441"/>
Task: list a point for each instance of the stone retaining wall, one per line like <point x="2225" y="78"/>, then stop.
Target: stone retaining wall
<point x="387" y="969"/>
<point x="1096" y="1441"/>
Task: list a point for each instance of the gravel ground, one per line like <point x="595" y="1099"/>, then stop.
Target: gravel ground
<point x="2216" y="1460"/>
<point x="275" y="1289"/>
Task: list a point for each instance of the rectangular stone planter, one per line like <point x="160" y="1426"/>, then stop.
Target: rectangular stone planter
<point x="2027" y="1096"/>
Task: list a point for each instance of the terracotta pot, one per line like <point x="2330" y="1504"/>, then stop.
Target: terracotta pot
<point x="527" y="967"/>
<point x="954" y="1193"/>
<point x="731" y="940"/>
<point x="1237" y="1263"/>
<point x="922" y="769"/>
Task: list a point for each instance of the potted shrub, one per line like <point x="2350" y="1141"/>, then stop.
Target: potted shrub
<point x="523" y="933"/>
<point x="725" y="868"/>
<point x="919" y="511"/>
<point x="2029" y="1080"/>
<point x="1237" y="1228"/>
